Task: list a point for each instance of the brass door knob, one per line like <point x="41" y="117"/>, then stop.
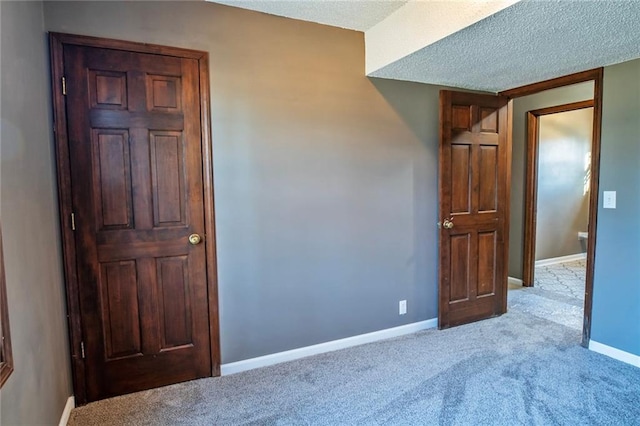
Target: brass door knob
<point x="447" y="224"/>
<point x="194" y="239"/>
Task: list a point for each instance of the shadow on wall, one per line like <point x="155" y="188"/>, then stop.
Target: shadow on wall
<point x="417" y="105"/>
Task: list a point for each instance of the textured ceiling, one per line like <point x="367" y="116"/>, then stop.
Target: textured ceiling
<point x="421" y="23"/>
<point x="528" y="42"/>
<point x="531" y="41"/>
<point x="357" y="15"/>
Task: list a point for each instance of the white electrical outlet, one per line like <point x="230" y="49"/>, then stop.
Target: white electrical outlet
<point x="402" y="307"/>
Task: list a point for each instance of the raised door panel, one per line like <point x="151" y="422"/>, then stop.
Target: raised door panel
<point x="112" y="179"/>
<point x="164" y="93"/>
<point x="488" y="178"/>
<point x="107" y="89"/>
<point x="168" y="180"/>
<point x="120" y="309"/>
<point x="488" y="119"/>
<point x="460" y="268"/>
<point x="487" y="256"/>
<point x="460" y="179"/>
<point x="461" y="118"/>
<point x="175" y="313"/>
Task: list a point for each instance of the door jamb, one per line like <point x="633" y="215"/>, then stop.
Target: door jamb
<point x="57" y="41"/>
<point x="595" y="75"/>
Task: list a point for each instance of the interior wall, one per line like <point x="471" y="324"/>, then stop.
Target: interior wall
<point x="563" y="168"/>
<point x="548" y="98"/>
<point x="616" y="288"/>
<point x="325" y="180"/>
<point x="36" y="392"/>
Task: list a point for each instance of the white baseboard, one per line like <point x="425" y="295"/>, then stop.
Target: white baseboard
<point x="561" y="259"/>
<point x="514" y="281"/>
<point x="334" y="345"/>
<point x="70" y="405"/>
<point x="615" y="353"/>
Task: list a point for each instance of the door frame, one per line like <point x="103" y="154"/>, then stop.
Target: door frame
<point x="57" y="41"/>
<point x="595" y="75"/>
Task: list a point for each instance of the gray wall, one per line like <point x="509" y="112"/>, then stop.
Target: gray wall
<point x="325" y="180"/>
<point x="616" y="288"/>
<point x="563" y="205"/>
<point x="563" y="95"/>
<point x="36" y="392"/>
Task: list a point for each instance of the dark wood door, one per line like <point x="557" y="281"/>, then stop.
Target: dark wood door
<point x="475" y="156"/>
<point x="135" y="156"/>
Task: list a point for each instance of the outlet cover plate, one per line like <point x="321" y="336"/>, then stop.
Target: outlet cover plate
<point x="402" y="307"/>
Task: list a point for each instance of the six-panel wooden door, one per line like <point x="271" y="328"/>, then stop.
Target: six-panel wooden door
<point x="474" y="181"/>
<point x="135" y="157"/>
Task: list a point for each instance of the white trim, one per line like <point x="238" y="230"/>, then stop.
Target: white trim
<point x="614" y="353"/>
<point x="70" y="405"/>
<point x="514" y="281"/>
<point x="334" y="345"/>
<point x="561" y="259"/>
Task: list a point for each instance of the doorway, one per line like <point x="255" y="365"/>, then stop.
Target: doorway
<point x="592" y="98"/>
<point x="559" y="142"/>
<point x="136" y="208"/>
<point x="461" y="284"/>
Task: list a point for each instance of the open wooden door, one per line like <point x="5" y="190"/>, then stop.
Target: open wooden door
<point x="474" y="184"/>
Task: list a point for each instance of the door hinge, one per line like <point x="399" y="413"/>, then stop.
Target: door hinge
<point x="64" y="86"/>
<point x="82" y="349"/>
<point x="73" y="221"/>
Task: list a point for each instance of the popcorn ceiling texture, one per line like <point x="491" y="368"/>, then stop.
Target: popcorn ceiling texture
<point x="528" y="42"/>
<point x="359" y="15"/>
<point x="531" y="41"/>
<point x="418" y="24"/>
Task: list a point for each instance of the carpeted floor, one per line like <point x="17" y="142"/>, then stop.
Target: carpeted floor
<point x="519" y="369"/>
